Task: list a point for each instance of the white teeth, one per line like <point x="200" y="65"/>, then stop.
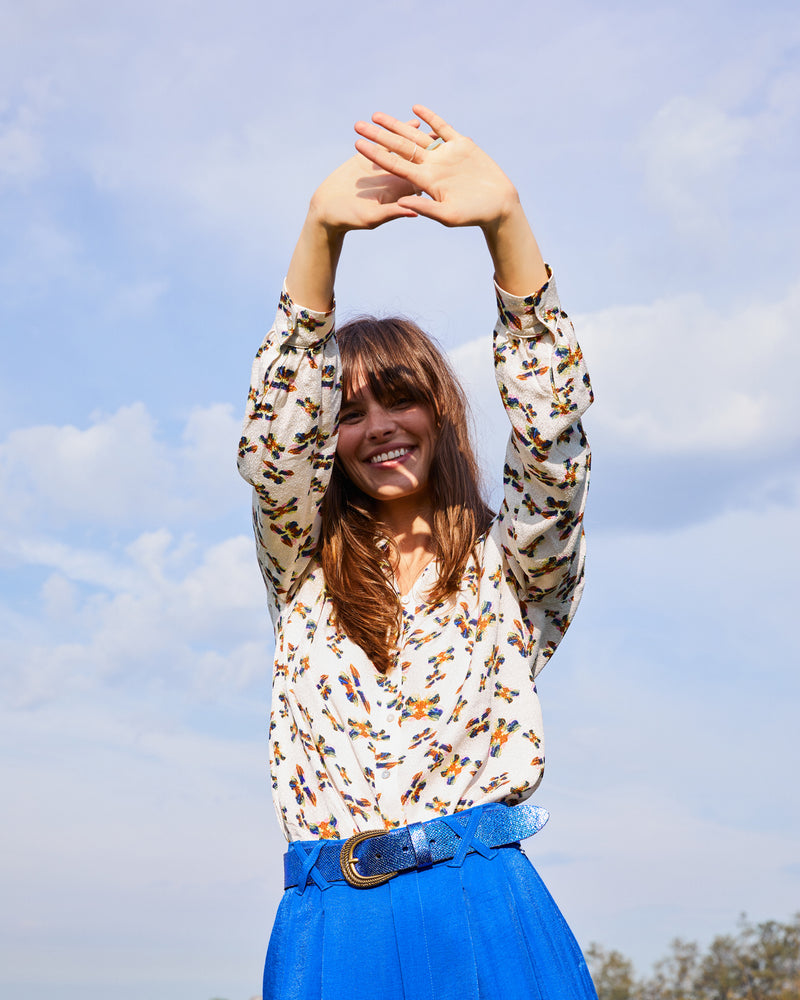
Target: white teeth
<point x="387" y="456"/>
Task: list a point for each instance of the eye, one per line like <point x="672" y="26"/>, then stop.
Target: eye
<point x="402" y="403"/>
<point x="349" y="415"/>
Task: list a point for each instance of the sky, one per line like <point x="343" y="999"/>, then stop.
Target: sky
<point x="156" y="161"/>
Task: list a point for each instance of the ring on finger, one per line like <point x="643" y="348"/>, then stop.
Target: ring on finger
<point x="412" y="158"/>
<point x="434" y="145"/>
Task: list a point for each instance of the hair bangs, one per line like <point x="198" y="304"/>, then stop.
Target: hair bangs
<point x="392" y="356"/>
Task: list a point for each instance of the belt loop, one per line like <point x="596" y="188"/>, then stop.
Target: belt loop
<point x="309" y="859"/>
<point x="466" y="835"/>
<point x="422" y="849"/>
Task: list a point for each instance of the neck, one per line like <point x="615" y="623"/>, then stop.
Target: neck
<point x="410" y="524"/>
<point x="412" y="531"/>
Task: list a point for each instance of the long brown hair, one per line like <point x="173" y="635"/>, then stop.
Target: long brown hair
<point x="398" y="359"/>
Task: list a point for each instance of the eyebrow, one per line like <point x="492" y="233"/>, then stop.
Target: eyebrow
<point x="352" y="399"/>
<point x="383" y="393"/>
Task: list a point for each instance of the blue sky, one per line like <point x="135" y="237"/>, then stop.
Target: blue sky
<point x="155" y="164"/>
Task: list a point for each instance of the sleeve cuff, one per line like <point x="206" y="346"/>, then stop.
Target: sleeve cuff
<point x="301" y="328"/>
<point x="530" y="315"/>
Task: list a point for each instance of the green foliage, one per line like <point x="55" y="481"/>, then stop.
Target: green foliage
<point x="612" y="973"/>
<point x="760" y="962"/>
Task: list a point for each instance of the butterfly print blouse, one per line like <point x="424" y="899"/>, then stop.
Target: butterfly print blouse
<point x="457" y="721"/>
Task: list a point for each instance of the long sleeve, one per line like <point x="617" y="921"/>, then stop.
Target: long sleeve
<point x="545" y="389"/>
<point x="289" y="441"/>
<point x="458" y="723"/>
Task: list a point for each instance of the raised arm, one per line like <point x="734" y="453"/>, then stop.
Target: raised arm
<point x="288" y="441"/>
<point x="545" y="389"/>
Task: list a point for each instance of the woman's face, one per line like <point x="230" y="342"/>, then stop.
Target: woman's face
<point x="386" y="450"/>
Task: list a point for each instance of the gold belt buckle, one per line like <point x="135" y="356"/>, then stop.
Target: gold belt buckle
<point x="347" y="862"/>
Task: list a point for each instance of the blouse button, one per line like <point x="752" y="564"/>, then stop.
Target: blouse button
<point x="390" y="718"/>
<point x="385" y="774"/>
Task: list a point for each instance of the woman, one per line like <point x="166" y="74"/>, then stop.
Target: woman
<point x="410" y="623"/>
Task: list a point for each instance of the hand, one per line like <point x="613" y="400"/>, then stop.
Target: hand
<point x="465" y="186"/>
<point x="360" y="195"/>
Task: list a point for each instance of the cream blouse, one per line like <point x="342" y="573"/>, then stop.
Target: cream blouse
<point x="457" y="722"/>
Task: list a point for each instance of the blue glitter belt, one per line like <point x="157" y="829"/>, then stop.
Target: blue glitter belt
<point x="372" y="857"/>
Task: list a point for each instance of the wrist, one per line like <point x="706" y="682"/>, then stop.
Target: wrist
<point x="518" y="265"/>
<point x="312" y="269"/>
<point x="321" y="228"/>
<point x="510" y="216"/>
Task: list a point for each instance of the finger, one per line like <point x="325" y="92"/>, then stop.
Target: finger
<point x="390" y="161"/>
<point x="437" y="124"/>
<point x="398" y="147"/>
<point x="425" y="206"/>
<point x="404" y="145"/>
<point x="395" y="211"/>
<point x="391" y="124"/>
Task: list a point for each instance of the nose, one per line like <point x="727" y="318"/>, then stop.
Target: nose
<point x="380" y="423"/>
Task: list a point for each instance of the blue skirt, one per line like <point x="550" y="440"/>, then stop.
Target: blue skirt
<point x="487" y="930"/>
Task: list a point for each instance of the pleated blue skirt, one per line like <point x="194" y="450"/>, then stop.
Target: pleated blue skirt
<point x="487" y="930"/>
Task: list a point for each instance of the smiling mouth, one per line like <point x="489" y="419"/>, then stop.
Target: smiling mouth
<point x="388" y="456"/>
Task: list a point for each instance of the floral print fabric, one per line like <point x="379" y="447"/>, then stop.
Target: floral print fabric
<point x="457" y="721"/>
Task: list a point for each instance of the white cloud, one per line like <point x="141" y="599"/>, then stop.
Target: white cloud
<point x="684" y="649"/>
<point x="25" y="104"/>
<point x="101" y="472"/>
<point x="674" y="378"/>
<point x="135" y="299"/>
<point x="689" y="148"/>
<point x="669" y="714"/>
<point x="162" y="613"/>
<point x="679" y="377"/>
<point x="59" y="598"/>
<point x="120" y="472"/>
<point x="634" y="868"/>
<point x="708" y="158"/>
<point x="20" y="148"/>
<point x="136" y="602"/>
<point x="41" y="251"/>
<point x="180" y="118"/>
<point x="131" y="831"/>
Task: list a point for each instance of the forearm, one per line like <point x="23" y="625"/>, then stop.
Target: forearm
<point x="312" y="270"/>
<point x="518" y="264"/>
